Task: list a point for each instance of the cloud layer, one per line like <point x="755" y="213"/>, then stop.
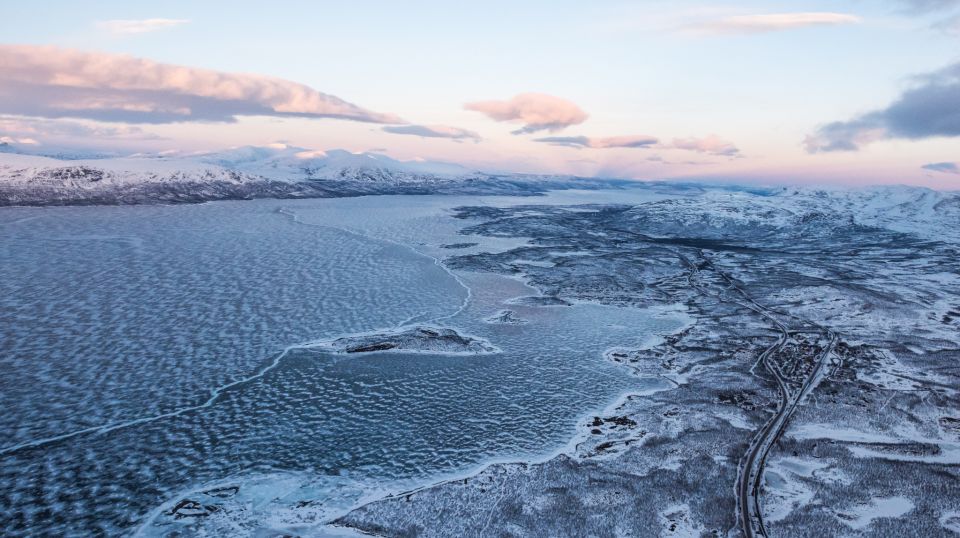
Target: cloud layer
<point x="537" y="111"/>
<point x="54" y="82"/>
<point x="709" y="145"/>
<point x="433" y="131"/>
<point x="43" y="128"/>
<point x="931" y="108"/>
<point x="752" y="24"/>
<point x="638" y="141"/>
<point x="142" y="26"/>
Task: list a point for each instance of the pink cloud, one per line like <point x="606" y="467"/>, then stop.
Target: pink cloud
<point x="537" y="111"/>
<point x="49" y="81"/>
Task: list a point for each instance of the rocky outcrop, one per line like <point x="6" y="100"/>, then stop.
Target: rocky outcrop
<point x="420" y="339"/>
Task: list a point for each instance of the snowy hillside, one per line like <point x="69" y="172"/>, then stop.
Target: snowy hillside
<point x="807" y="211"/>
<point x="902" y="208"/>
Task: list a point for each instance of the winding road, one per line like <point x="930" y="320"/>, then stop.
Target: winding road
<point x="750" y="471"/>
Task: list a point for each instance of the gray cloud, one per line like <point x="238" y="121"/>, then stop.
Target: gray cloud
<point x="635" y="141"/>
<point x="950" y="25"/>
<point x="929" y="109"/>
<point x="433" y="131"/>
<point x="54" y="82"/>
<point x="928" y="6"/>
<point x="709" y="145"/>
<point x="947" y="168"/>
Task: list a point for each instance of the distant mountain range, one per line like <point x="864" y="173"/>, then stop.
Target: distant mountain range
<point x="30" y="177"/>
<point x="35" y="178"/>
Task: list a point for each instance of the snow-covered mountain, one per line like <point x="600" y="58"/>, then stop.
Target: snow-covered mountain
<point x="274" y="171"/>
<point x="280" y="161"/>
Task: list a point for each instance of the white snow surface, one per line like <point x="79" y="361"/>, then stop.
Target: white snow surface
<point x="863" y="515"/>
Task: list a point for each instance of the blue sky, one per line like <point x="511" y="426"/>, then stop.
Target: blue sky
<point x="676" y="71"/>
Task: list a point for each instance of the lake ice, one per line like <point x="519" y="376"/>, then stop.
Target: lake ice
<point x="139" y="349"/>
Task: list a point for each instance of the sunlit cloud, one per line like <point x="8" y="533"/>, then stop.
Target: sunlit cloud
<point x="141" y="26"/>
<point x="433" y="131"/>
<point x="946" y="168"/>
<point x="537" y="111"/>
<point x="54" y="82"/>
<point x="639" y="141"/>
<point x="773" y="22"/>
<point x="931" y="108"/>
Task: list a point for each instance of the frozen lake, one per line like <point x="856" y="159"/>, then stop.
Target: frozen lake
<point x="143" y="351"/>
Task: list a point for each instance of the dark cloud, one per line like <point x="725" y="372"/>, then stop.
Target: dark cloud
<point x="931" y="108"/>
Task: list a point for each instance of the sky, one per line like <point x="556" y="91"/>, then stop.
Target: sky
<point x="824" y="92"/>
